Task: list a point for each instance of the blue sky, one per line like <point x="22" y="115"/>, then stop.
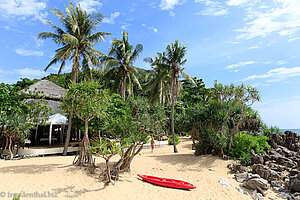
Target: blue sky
<point x="255" y="42"/>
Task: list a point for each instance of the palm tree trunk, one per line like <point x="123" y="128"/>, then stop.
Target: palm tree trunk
<point x="172" y="112"/>
<point x="65" y="152"/>
<point x="123" y="87"/>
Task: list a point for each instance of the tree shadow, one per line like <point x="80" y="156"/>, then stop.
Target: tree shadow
<point x="71" y="192"/>
<point x="29" y="169"/>
<point x="188" y="161"/>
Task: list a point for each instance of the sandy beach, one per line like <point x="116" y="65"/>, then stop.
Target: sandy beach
<point x="56" y="176"/>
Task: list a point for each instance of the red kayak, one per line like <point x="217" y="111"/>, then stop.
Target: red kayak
<point x="172" y="183"/>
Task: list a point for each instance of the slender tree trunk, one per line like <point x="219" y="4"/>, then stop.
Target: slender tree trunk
<point x="172" y="111"/>
<point x="108" y="170"/>
<point x="65" y="152"/>
<point x="85" y="157"/>
<point x="123" y="87"/>
<point x="9" y="148"/>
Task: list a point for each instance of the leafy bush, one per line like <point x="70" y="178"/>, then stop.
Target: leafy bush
<point x="243" y="143"/>
<point x="170" y="141"/>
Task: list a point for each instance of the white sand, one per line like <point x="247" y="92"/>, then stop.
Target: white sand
<point x="57" y="176"/>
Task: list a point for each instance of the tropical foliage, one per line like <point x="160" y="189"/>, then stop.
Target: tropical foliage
<point x="119" y="62"/>
<point x="76" y="39"/>
<point x="244" y="143"/>
<point x="168" y="66"/>
<point x="87" y="101"/>
<point x="18" y="114"/>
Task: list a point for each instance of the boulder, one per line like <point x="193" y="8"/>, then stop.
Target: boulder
<point x="295" y="183"/>
<point x="256" y="196"/>
<point x="241" y="177"/>
<point x="286" y="162"/>
<point x="296" y="196"/>
<point x="265" y="172"/>
<point x="258" y="184"/>
<point x="277" y="184"/>
<point x="238" y="167"/>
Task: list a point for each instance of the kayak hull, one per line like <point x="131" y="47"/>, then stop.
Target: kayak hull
<point x="166" y="182"/>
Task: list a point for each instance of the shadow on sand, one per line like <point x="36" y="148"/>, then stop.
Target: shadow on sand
<point x="188" y="161"/>
<point x="29" y="169"/>
<point x="71" y="192"/>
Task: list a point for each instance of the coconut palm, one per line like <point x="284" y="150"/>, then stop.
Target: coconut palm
<point x="76" y="40"/>
<point x="120" y="61"/>
<point x="158" y="89"/>
<point x="168" y="65"/>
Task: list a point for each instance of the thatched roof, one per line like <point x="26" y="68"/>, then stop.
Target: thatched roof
<point x="54" y="105"/>
<point x="47" y="89"/>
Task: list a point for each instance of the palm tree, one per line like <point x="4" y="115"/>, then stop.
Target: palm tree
<point x="76" y="41"/>
<point x="168" y="65"/>
<point x="158" y="89"/>
<point x="120" y="61"/>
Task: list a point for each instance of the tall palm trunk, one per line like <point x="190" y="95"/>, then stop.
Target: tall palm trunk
<point x="65" y="152"/>
<point x="174" y="94"/>
<point x="122" y="89"/>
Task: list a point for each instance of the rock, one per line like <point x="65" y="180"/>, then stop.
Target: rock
<point x="241" y="177"/>
<point x="283" y="195"/>
<point x="260" y="182"/>
<point x="256" y="159"/>
<point x="238" y="168"/>
<point x="265" y="172"/>
<point x="224" y="182"/>
<point x="250" y="176"/>
<point x="275" y="167"/>
<point x="256" y="196"/>
<point x="286" y="162"/>
<point x="294" y="172"/>
<point x="295" y="183"/>
<point x="242" y="191"/>
<point x="277" y="189"/>
<point x="274" y="155"/>
<point x="276" y="183"/>
<point x="296" y="196"/>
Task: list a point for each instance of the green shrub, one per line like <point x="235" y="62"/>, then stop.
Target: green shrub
<point x="170" y="141"/>
<point x="243" y="143"/>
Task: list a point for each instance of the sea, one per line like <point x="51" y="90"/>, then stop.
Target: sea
<point x="294" y="130"/>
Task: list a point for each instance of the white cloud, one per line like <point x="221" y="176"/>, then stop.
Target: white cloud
<point x="294" y="38"/>
<point x="170" y="4"/>
<point x="27" y="52"/>
<point x="125" y="26"/>
<point x="213" y="8"/>
<point x="281" y="62"/>
<point x="237" y="2"/>
<point x="23" y="9"/>
<point x="283" y="17"/>
<point x="240" y="64"/>
<point x="90" y="5"/>
<point x="31" y="73"/>
<point x="152" y="5"/>
<point x="254" y="47"/>
<point x="277" y="74"/>
<point x="111" y="19"/>
<point x="153" y="29"/>
<point x="172" y="13"/>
